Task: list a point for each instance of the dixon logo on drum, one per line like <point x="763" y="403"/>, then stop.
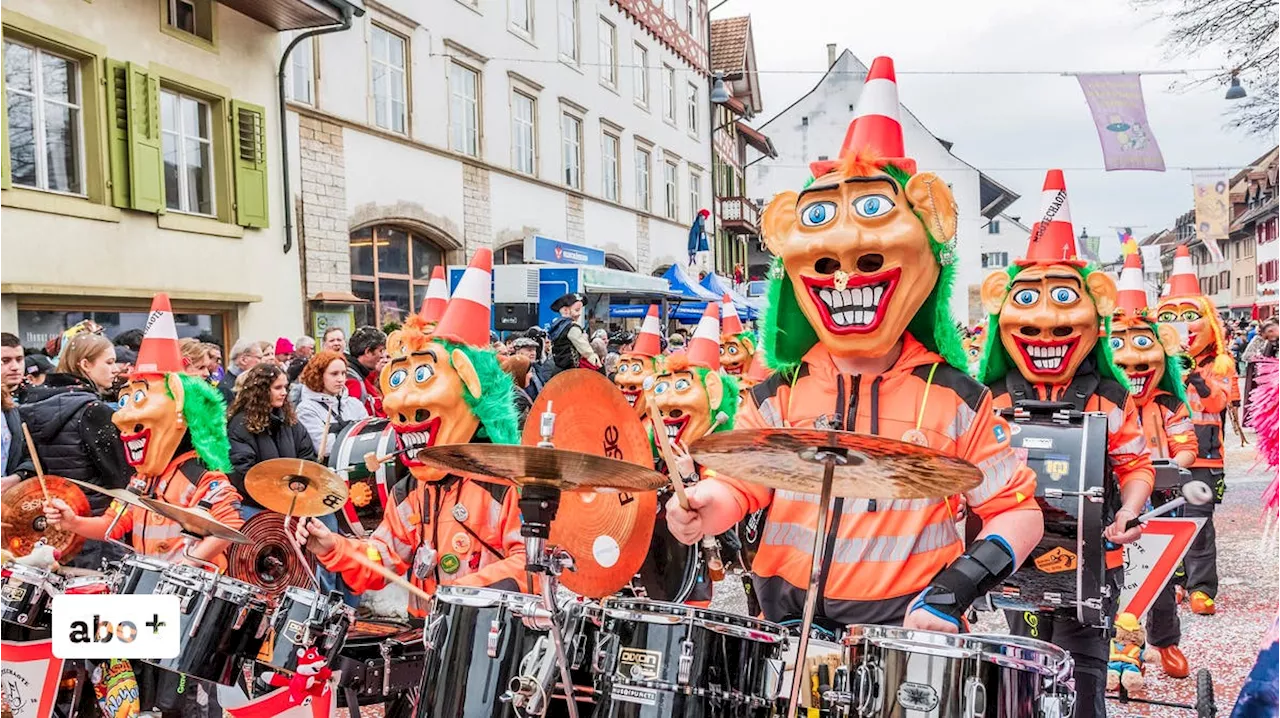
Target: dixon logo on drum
<point x="123" y="626"/>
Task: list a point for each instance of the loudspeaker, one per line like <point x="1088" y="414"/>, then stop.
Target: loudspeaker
<point x="514" y="317"/>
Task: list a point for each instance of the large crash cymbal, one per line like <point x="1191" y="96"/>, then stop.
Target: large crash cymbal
<point x="296" y="487"/>
<point x="196" y="521"/>
<point x="23" y="514"/>
<point x="606" y="533"/>
<point x="536" y="466"/>
<point x="867" y="467"/>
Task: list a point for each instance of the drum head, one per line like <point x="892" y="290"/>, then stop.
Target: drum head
<point x="368" y="493"/>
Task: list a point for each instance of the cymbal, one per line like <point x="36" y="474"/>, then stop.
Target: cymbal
<point x="23" y="506"/>
<point x="606" y="533"/>
<point x="195" y="521"/>
<point x="536" y="466"/>
<point x="124" y="496"/>
<point x="269" y="561"/>
<point x="296" y="486"/>
<point x="868" y="467"/>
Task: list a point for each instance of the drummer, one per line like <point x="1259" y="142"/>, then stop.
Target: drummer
<point x="863" y="340"/>
<point x="440" y="387"/>
<point x="1149" y="354"/>
<point x="1050" y="314"/>
<point x="174" y="430"/>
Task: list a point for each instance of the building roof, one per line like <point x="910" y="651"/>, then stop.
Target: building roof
<point x="757" y="139"/>
<point x="729" y="44"/>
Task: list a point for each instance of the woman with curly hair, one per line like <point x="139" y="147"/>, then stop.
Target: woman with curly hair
<point x="262" y="427"/>
<point x="323" y="400"/>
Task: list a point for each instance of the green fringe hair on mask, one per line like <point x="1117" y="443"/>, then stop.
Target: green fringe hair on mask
<point x="495" y="408"/>
<point x="205" y="412"/>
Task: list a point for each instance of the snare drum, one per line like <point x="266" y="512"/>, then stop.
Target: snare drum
<point x="223" y="623"/>
<point x="382" y="662"/>
<point x="139" y="574"/>
<point x="28" y="593"/>
<point x="897" y="671"/>
<point x="668" y="659"/>
<point x="302" y="619"/>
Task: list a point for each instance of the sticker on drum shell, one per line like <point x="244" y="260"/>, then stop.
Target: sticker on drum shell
<point x="637" y="664"/>
<point x="14" y="591"/>
<point x="1056" y="561"/>
<point x="917" y="696"/>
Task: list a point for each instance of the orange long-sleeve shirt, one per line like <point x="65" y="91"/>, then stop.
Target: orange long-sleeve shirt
<point x="1166" y="422"/>
<point x="473" y="528"/>
<point x="1206" y="411"/>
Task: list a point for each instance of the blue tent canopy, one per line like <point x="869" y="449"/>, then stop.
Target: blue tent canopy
<point x="747" y="309"/>
<point x="687" y="285"/>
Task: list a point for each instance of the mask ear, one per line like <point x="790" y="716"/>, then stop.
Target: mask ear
<point x="779" y="220"/>
<point x="932" y="198"/>
<point x="175" y="387"/>
<point x="994" y="290"/>
<point x="715" y="392"/>
<point x="1169" y="339"/>
<point x="1103" y="290"/>
<point x="466" y="372"/>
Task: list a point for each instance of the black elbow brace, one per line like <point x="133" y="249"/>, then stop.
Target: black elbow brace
<point x="979" y="569"/>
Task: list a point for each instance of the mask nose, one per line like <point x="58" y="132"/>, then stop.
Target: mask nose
<point x="1062" y="331"/>
<point x="869" y="263"/>
<point x="1029" y="331"/>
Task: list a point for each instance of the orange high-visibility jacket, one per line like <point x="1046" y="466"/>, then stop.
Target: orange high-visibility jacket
<point x="1166" y="423"/>
<point x="879" y="554"/>
<point x="1206" y="412"/>
<point x="478" y="544"/>
<point x="184" y="482"/>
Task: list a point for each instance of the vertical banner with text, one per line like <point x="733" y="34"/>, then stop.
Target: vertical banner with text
<point x="1120" y="116"/>
<point x="1213" y="210"/>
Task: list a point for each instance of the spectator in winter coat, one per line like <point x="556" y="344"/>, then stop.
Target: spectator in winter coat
<point x="11" y="363"/>
<point x="263" y="426"/>
<point x="366" y="353"/>
<point x="303" y="349"/>
<point x="15" y="464"/>
<point x="245" y="355"/>
<point x="324" y="400"/>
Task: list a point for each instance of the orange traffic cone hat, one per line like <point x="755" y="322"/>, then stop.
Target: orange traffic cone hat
<point x="437" y="298"/>
<point x="704" y="346"/>
<point x="159" y="353"/>
<point x="730" y="324"/>
<point x="1053" y="238"/>
<point x="649" y="340"/>
<point x="1182" y="280"/>
<point x="467" y="316"/>
<point x="1132" y="293"/>
<point x="876" y="129"/>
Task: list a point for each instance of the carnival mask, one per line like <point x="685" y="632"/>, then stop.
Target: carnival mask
<point x="1189" y="312"/>
<point x="423" y="399"/>
<point x="1140" y="353"/>
<point x="855" y="248"/>
<point x="632" y="370"/>
<point x="150" y="421"/>
<point x="735" y="354"/>
<point x="684" y="402"/>
<point x="1049" y="317"/>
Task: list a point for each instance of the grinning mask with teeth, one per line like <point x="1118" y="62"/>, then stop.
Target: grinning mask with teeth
<point x="857" y="250"/>
<point x="688" y="398"/>
<point x="1144" y="351"/>
<point x="1190" y="312"/>
<point x="1049" y="317"/>
<point x="633" y="369"/>
<point x="736" y="351"/>
<point x="150" y="421"/>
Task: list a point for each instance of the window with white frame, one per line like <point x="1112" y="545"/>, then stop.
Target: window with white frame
<point x="694" y="109"/>
<point x="694" y="21"/>
<point x="571" y="149"/>
<point x="669" y="7"/>
<point x="640" y="74"/>
<point x="191" y="16"/>
<point x="695" y="192"/>
<point x="609" y="150"/>
<point x="567" y="14"/>
<point x="669" y="93"/>
<point x="672" y="183"/>
<point x="608" y="53"/>
<point x="644" y="160"/>
<point x="302" y="73"/>
<point x="186" y="135"/>
<point x="46" y="135"/>
<point x="524" y="146"/>
<point x="388" y="53"/>
<point x="521" y="14"/>
<point x="464" y="109"/>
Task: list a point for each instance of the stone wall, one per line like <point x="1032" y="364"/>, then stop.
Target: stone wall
<point x="477" y="224"/>
<point x="323" y="217"/>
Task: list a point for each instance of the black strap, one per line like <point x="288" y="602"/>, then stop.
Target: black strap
<point x="1082" y="387"/>
<point x="978" y="570"/>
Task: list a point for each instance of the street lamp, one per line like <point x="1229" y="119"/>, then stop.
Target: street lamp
<point x="1236" y="91"/>
<point x="720" y="92"/>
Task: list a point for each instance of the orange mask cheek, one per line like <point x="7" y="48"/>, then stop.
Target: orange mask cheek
<point x="425" y="413"/>
<point x="685" y="413"/>
<point x="150" y="424"/>
<point x="734" y="355"/>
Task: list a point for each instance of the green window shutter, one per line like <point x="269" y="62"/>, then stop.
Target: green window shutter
<point x="249" y="132"/>
<point x="118" y="131"/>
<point x="146" y="159"/>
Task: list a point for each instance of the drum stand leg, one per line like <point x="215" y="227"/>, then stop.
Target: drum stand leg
<point x="829" y="459"/>
<point x="538" y="506"/>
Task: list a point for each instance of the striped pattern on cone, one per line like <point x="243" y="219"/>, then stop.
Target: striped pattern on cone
<point x="469" y="312"/>
<point x="159" y="353"/>
<point x="1131" y="296"/>
<point x="876" y="128"/>
<point x="1182" y="279"/>
<point x="730" y="324"/>
<point x="1053" y="239"/>
<point x="704" y="346"/>
<point x="649" y="341"/>
<point x="437" y="298"/>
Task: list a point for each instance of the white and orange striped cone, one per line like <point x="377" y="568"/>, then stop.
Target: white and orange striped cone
<point x="649" y="341"/>
<point x="159" y="353"/>
<point x="730" y="324"/>
<point x="876" y="129"/>
<point x="437" y="298"/>
<point x="1053" y="240"/>
<point x="469" y="313"/>
<point x="1182" y="279"/>
<point x="1131" y="296"/>
<point x="704" y="345"/>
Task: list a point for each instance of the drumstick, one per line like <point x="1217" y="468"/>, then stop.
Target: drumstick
<point x="660" y="438"/>
<point x="324" y="438"/>
<point x="391" y="576"/>
<point x="35" y="459"/>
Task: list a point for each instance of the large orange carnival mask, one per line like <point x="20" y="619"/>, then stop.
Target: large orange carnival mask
<point x="440" y="386"/>
<point x="150" y="421"/>
<point x="1187" y="307"/>
<point x="1048" y="308"/>
<point x="737" y="346"/>
<point x="1140" y="347"/>
<point x="637" y="365"/>
<point x="863" y="248"/>
<point x="692" y="397"/>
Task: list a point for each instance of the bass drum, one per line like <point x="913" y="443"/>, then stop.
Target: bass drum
<point x="364" y="508"/>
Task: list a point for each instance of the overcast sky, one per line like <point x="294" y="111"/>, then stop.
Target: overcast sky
<point x="999" y="123"/>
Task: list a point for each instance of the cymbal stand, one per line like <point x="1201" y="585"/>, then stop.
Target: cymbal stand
<point x="111" y="528"/>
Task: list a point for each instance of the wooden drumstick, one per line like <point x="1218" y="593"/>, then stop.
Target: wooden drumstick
<point x="664" y="446"/>
<point x="324" y="438"/>
<point x="35" y="459"/>
<point x="391" y="576"/>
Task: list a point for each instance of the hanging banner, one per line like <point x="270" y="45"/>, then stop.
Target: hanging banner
<point x="1120" y="116"/>
<point x="1151" y="259"/>
<point x="1150" y="561"/>
<point x="1213" y="210"/>
<point x="29" y="678"/>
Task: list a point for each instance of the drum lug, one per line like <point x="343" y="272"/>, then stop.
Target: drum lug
<point x="975" y="698"/>
<point x="241" y="615"/>
<point x="604" y="648"/>
<point x="385" y="650"/>
<point x="491" y="644"/>
<point x="1053" y="705"/>
<point x="866" y="688"/>
<point x="686" y="663"/>
<point x="429" y="633"/>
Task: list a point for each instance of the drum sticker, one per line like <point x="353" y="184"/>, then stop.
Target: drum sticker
<point x="917" y="696"/>
<point x="293" y="632"/>
<point x="1037" y="442"/>
<point x="14" y="591"/>
<point x="629" y="694"/>
<point x="639" y="665"/>
<point x="1057" y="561"/>
<point x="1057" y="466"/>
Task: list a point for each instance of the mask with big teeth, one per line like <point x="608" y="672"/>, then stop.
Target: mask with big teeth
<point x="688" y="398"/>
<point x="1191" y="313"/>
<point x="1142" y="350"/>
<point x="1049" y="317"/>
<point x="736" y="351"/>
<point x="632" y="370"/>
<point x="150" y="421"/>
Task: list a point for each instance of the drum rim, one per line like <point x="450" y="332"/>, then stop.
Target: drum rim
<point x="748" y="627"/>
<point x="23" y="572"/>
<point x="482" y="596"/>
<point x="1029" y="654"/>
<point x="148" y="562"/>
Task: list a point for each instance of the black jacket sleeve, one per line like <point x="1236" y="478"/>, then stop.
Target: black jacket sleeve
<point x="302" y="442"/>
<point x="244" y="453"/>
<point x="20" y="462"/>
<point x="102" y="443"/>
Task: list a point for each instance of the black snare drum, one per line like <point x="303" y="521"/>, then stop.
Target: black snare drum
<point x="28" y="593"/>
<point x="1067" y="450"/>
<point x="1169" y="476"/>
<point x="140" y="574"/>
<point x="663" y="660"/>
<point x="223" y="623"/>
<point x="347" y="458"/>
<point x="303" y="619"/>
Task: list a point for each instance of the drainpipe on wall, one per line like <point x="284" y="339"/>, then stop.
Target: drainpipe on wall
<point x="349" y="12"/>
